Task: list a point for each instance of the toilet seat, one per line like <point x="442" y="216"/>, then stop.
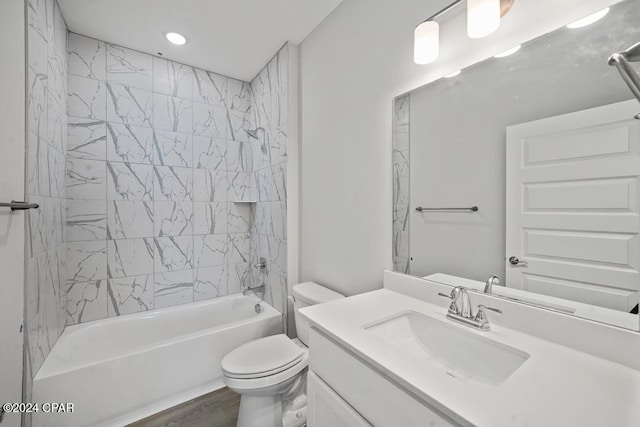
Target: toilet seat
<point x="264" y="374"/>
<point x="241" y="385"/>
<point x="263" y="363"/>
<point x="262" y="357"/>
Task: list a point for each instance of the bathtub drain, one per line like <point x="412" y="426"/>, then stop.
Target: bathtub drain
<point x="258" y="308"/>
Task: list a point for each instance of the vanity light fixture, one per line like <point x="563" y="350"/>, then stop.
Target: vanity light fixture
<point x="176" y="38"/>
<point x="426" y="47"/>
<point x="483" y="18"/>
<point x="508" y="52"/>
<point x="588" y="20"/>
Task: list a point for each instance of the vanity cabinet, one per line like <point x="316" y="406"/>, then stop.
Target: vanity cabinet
<point x="345" y="390"/>
<point x="327" y="408"/>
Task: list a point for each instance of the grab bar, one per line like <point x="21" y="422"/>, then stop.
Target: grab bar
<point x="471" y="209"/>
<point x="19" y="206"/>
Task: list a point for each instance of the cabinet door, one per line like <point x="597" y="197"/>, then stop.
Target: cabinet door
<point x="326" y="407"/>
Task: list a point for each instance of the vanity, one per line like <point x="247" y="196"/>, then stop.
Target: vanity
<point x="522" y="170"/>
<point x="391" y="357"/>
<point x="516" y="181"/>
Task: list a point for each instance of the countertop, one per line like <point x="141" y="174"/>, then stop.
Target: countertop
<point x="556" y="386"/>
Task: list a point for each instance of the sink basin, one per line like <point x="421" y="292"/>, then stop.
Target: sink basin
<point x="460" y="353"/>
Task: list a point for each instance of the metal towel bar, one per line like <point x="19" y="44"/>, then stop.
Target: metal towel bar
<point x="19" y="206"/>
<point x="471" y="209"/>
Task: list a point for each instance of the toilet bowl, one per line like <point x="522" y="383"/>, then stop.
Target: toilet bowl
<point x="271" y="372"/>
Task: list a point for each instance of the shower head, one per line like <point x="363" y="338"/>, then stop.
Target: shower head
<point x="254" y="132"/>
<point x="621" y="61"/>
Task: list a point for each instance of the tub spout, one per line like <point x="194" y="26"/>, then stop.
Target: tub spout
<point x="256" y="289"/>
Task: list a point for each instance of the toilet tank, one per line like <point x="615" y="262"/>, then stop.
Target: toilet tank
<point x="306" y="294"/>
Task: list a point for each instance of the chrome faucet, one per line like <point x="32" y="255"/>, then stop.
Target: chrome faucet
<point x="460" y="310"/>
<point x="256" y="289"/>
<point x="488" y="286"/>
<point x="262" y="263"/>
<point x="462" y="302"/>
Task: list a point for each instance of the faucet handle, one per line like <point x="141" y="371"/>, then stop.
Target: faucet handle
<point x="262" y="263"/>
<point x="481" y="316"/>
<point x="495" y="310"/>
<point x="453" y="307"/>
<point x="454" y="293"/>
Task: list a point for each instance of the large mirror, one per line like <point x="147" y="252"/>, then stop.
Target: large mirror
<point x="527" y="168"/>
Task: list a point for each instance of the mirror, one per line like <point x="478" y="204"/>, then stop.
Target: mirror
<point x="544" y="143"/>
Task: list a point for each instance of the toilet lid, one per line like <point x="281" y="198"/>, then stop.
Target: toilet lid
<point x="262" y="357"/>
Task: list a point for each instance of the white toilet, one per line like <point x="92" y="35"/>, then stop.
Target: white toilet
<point x="269" y="370"/>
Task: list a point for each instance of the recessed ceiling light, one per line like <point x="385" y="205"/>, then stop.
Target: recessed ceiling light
<point x="588" y="20"/>
<point x="176" y="38"/>
<point x="508" y="52"/>
<point x="455" y="73"/>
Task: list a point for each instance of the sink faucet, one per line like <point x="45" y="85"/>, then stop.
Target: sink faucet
<point x="462" y="302"/>
<point x="460" y="309"/>
<point x="488" y="287"/>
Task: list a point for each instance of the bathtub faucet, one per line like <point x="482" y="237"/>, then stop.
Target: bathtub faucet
<point x="256" y="289"/>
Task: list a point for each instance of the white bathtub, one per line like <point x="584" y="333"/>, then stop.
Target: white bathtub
<point x="119" y="370"/>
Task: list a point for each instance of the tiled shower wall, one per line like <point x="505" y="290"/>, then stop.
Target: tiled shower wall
<point x="401" y="209"/>
<point x="46" y="142"/>
<point x="269" y="111"/>
<point x="157" y="155"/>
<point x="138" y="181"/>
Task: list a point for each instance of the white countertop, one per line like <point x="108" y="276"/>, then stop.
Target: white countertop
<point x="556" y="386"/>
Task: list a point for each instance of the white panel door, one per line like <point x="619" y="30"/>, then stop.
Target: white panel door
<point x="12" y="231"/>
<point x="327" y="409"/>
<point x="573" y="206"/>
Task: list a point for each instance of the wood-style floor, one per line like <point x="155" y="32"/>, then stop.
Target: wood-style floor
<point x="217" y="409"/>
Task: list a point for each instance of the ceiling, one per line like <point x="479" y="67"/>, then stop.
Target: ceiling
<point x="235" y="38"/>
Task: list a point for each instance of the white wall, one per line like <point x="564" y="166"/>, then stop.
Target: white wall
<point x="351" y="67"/>
<point x="12" y="144"/>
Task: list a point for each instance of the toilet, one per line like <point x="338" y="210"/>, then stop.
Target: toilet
<point x="270" y="372"/>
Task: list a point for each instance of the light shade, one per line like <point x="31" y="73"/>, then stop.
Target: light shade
<point x="483" y="17"/>
<point x="426" y="43"/>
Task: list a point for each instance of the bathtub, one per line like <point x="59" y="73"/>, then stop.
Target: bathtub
<point x="119" y="370"/>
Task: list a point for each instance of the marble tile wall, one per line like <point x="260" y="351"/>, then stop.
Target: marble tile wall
<point x="269" y="111"/>
<point x="157" y="155"/>
<point x="401" y="257"/>
<point x="45" y="176"/>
